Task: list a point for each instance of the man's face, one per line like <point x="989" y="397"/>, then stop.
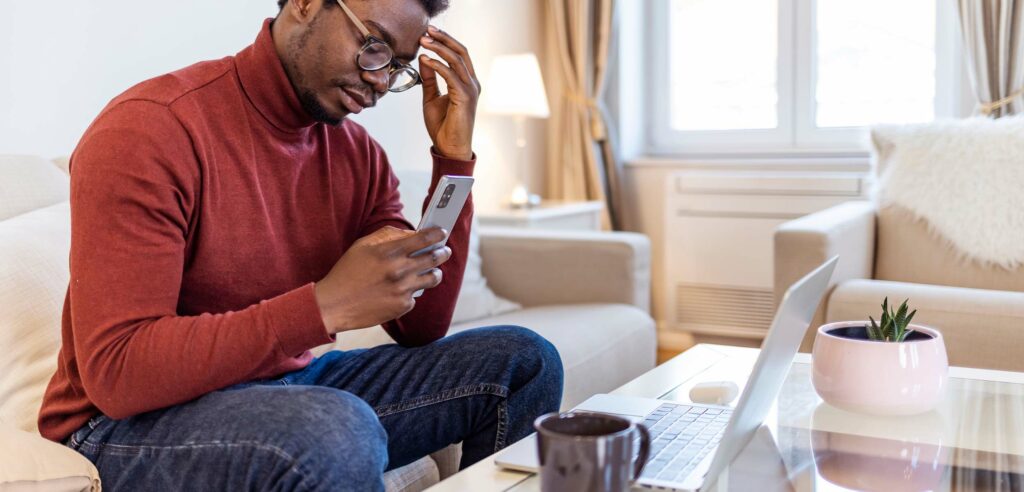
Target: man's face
<point x="319" y="54"/>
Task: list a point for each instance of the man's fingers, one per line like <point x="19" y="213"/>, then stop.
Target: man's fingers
<point x="423" y="280"/>
<point x="453" y="81"/>
<point x="385" y="234"/>
<point x="428" y="279"/>
<point x="419" y="240"/>
<point x="455" y="45"/>
<point x="432" y="259"/>
<point x="455" y="61"/>
<point x="428" y="76"/>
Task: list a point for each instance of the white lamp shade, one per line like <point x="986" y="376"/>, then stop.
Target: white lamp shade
<point x="515" y="87"/>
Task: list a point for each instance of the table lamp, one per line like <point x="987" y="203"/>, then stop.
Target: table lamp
<point x="514" y="87"/>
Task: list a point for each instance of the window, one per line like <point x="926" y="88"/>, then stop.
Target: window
<point x="743" y="76"/>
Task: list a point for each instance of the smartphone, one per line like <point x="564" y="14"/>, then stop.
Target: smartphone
<point x="444" y="209"/>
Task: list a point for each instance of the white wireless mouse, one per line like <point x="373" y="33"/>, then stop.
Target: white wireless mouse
<point x="714" y="392"/>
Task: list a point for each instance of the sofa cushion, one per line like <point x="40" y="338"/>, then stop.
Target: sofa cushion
<point x="602" y="346"/>
<point x="907" y="251"/>
<point x="28" y="183"/>
<point x="978" y="325"/>
<point x="33" y="281"/>
<point x="32" y="463"/>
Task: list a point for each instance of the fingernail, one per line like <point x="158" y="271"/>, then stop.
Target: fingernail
<point x="433" y="29"/>
<point x="427" y="40"/>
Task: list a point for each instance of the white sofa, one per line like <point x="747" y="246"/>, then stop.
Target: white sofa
<point x="588" y="293"/>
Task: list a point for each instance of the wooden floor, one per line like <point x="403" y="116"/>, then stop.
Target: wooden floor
<point x="665" y="355"/>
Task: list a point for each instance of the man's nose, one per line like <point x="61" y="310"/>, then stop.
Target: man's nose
<point x="378" y="80"/>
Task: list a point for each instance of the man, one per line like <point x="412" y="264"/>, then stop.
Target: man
<point x="227" y="218"/>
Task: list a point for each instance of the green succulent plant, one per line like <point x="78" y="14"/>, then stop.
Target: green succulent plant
<point x="893" y="327"/>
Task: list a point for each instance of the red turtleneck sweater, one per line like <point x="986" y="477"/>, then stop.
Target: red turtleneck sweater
<point x="204" y="204"/>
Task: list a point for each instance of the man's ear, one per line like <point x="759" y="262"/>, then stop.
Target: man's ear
<point x="302" y="11"/>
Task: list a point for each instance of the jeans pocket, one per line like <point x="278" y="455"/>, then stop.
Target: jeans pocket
<point x="79" y="436"/>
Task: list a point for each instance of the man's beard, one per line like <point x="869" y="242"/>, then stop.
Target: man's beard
<point x="316" y="110"/>
<point x="307" y="98"/>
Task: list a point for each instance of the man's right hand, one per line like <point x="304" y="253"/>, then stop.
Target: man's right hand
<point x="374" y="280"/>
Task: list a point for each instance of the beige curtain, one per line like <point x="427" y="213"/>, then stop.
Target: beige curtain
<point x="995" y="55"/>
<point x="581" y="160"/>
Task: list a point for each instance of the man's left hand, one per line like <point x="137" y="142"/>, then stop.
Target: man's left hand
<point x="449" y="117"/>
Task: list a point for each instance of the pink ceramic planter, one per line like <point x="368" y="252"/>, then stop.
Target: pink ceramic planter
<point x="880" y="378"/>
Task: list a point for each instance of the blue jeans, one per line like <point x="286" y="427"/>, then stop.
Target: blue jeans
<point x="339" y="423"/>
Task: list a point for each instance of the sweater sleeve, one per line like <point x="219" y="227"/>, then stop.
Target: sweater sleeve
<point x="431" y="317"/>
<point x="134" y="178"/>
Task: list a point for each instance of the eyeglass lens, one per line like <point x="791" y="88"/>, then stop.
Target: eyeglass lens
<point x="375" y="56"/>
<point x="402" y="79"/>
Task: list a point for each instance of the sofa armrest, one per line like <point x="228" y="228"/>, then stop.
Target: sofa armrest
<point x="538" y="267"/>
<point x="801" y="245"/>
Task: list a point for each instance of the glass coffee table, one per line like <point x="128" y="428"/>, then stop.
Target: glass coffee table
<point x="973" y="441"/>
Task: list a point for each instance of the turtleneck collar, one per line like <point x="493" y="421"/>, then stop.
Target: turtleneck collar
<point x="267" y="86"/>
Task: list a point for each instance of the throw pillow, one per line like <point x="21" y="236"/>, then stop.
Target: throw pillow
<point x="33" y="279"/>
<point x="31" y="462"/>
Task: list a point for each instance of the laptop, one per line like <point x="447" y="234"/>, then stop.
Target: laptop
<point x="691" y="444"/>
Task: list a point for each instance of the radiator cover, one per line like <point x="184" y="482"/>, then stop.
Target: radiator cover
<point x="718" y="252"/>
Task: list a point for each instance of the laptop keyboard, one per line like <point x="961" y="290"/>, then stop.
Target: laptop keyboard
<point x="682" y="436"/>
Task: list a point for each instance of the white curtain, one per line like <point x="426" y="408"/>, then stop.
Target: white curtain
<point x="995" y="54"/>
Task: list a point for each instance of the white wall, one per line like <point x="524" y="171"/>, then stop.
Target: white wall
<point x="62" y="61"/>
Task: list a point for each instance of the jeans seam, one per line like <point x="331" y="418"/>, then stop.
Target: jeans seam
<point x="446" y="395"/>
<point x="122" y="450"/>
<point x="499" y="436"/>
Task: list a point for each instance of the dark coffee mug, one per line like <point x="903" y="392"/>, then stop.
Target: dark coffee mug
<point x="593" y="452"/>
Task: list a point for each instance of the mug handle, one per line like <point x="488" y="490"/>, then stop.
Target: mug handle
<point x="645" y="451"/>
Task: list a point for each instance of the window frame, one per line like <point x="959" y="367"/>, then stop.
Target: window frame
<point x="796" y="133"/>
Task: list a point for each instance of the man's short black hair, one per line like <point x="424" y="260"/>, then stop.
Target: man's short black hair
<point x="433" y="7"/>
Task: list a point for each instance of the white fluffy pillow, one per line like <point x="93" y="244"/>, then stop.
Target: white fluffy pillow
<point x="33" y="279"/>
<point x="963" y="178"/>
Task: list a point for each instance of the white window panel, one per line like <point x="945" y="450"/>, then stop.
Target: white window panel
<point x="875" y="62"/>
<point x="719" y="80"/>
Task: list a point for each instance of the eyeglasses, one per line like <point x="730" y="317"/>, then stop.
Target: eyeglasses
<point x="377" y="55"/>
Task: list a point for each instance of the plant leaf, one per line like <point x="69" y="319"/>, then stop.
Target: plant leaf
<point x="874" y="333"/>
<point x="907" y="331"/>
<point x="900" y="322"/>
<point x="901" y="315"/>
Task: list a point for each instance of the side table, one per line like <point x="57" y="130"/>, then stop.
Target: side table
<point x="550" y="215"/>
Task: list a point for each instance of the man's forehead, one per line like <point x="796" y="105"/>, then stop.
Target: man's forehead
<point x="404" y="44"/>
<point x="400" y="23"/>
